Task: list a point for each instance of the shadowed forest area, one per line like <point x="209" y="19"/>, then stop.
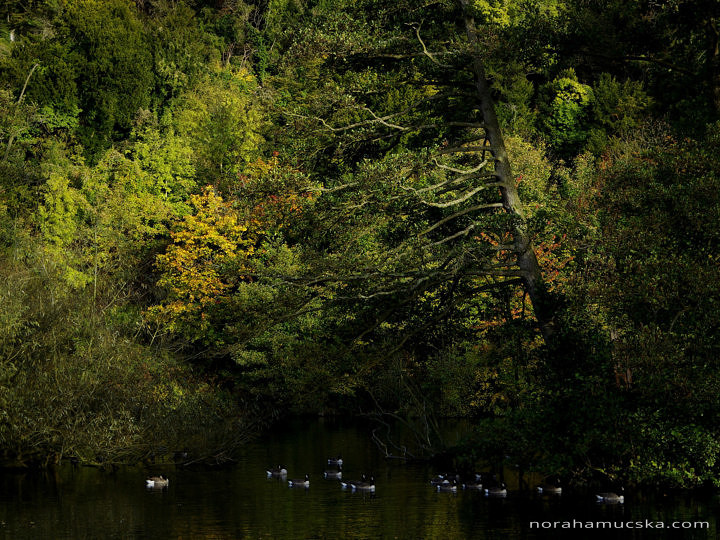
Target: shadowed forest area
<point x="216" y="213"/>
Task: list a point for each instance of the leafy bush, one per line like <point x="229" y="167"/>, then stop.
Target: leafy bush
<point x="565" y="112"/>
<point x="71" y="386"/>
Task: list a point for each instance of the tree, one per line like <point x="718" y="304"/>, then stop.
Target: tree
<point x="201" y="267"/>
<point x="212" y="269"/>
<point x="221" y="115"/>
<point x="429" y="151"/>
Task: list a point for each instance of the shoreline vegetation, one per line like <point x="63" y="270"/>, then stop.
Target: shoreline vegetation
<point x="215" y="215"/>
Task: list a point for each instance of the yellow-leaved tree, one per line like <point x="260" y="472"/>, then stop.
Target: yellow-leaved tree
<point x="205" y="262"/>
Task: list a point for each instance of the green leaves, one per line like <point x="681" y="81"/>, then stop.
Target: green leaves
<point x="565" y="113"/>
<point x="204" y="261"/>
<point x="114" y="76"/>
<point x="222" y="120"/>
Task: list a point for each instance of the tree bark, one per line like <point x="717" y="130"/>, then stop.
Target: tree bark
<point x="523" y="248"/>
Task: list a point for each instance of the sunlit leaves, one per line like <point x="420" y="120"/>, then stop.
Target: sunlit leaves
<point x="565" y="116"/>
<point x="222" y="118"/>
<point x="203" y="264"/>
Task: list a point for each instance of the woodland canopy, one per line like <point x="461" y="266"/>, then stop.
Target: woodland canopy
<point x="217" y="212"/>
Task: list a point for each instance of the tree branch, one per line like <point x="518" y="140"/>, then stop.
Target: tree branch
<point x="427" y="53"/>
<point x="460" y="214"/>
<point x="461" y="171"/>
<point x="19" y="101"/>
<point x="336" y="188"/>
<point x="464" y="197"/>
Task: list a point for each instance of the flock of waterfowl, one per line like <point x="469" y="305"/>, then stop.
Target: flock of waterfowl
<point x="335" y="473"/>
<point x="486" y="483"/>
<point x="491" y="487"/>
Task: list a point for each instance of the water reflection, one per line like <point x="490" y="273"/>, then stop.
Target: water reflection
<point x="243" y="502"/>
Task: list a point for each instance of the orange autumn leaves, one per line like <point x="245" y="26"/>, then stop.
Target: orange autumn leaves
<point x="206" y="259"/>
<point x="218" y="247"/>
<point x="553" y="255"/>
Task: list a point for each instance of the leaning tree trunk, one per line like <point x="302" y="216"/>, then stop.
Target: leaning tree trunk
<point x="452" y="209"/>
<point x="523" y="248"/>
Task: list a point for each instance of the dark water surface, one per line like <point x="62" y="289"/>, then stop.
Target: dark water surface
<point x="80" y="503"/>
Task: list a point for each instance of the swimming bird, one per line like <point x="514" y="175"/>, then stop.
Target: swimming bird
<point x="350" y="483"/>
<point x="476" y="484"/>
<point x="611" y="497"/>
<point x="444" y="479"/>
<point x="497" y="491"/>
<point x="157" y="481"/>
<point x="438" y="480"/>
<point x="364" y="486"/>
<point x="300" y="482"/>
<point x="335" y="461"/>
<point x="332" y="474"/>
<point x="449" y="487"/>
<point x="277" y="472"/>
<point x="550" y="489"/>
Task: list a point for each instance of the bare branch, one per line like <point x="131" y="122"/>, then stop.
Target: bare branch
<point x="427" y="53"/>
<point x="643" y="58"/>
<point x="461" y="171"/>
<point x="384" y="123"/>
<point x="19" y="101"/>
<point x="464" y="197"/>
<point x="374" y="295"/>
<point x="467" y="230"/>
<point x="445" y="183"/>
<point x="401" y="56"/>
<point x="376" y="119"/>
<point x="477" y="125"/>
<point x="27" y="80"/>
<point x="497" y="272"/>
<point x="336" y="188"/>
<point x="458" y="234"/>
<point x="460" y="214"/>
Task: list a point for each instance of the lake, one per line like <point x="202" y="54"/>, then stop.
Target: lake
<point x="241" y="502"/>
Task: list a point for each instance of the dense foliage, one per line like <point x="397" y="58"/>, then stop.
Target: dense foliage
<point x="212" y="209"/>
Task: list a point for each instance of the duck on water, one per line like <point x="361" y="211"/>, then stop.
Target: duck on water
<point x="450" y="487"/>
<point x="611" y="497"/>
<point x="331" y="474"/>
<point x="359" y="485"/>
<point x="157" y="481"/>
<point x="364" y="485"/>
<point x="550" y="489"/>
<point x="300" y="482"/>
<point x="276" y="472"/>
<point x="497" y="491"/>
